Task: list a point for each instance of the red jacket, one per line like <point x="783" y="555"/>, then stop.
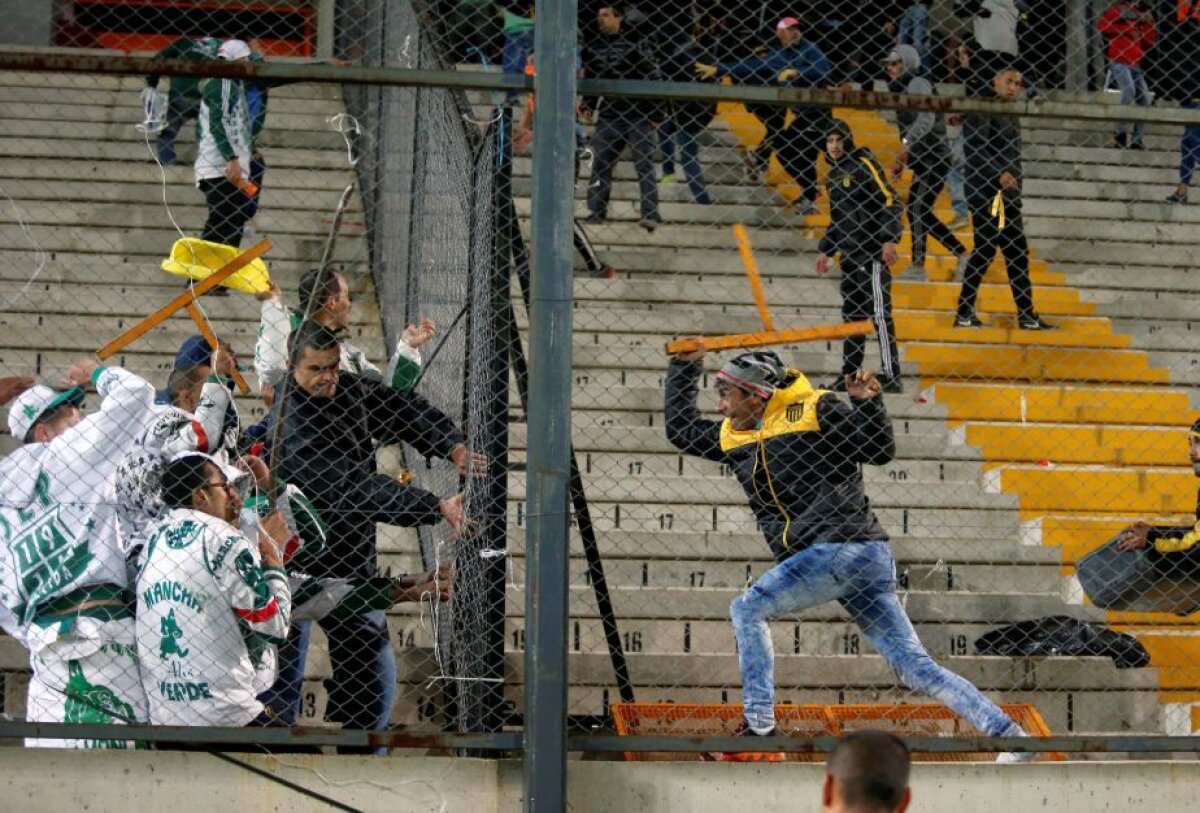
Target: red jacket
<point x="1130" y="33"/>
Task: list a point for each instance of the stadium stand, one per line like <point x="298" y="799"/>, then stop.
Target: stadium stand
<point x="1111" y="269"/>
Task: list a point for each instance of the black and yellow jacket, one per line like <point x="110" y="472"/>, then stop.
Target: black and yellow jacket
<point x="801" y="468"/>
<point x="864" y="212"/>
<point x="1176" y="538"/>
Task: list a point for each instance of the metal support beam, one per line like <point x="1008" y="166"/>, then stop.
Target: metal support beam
<point x="548" y="541"/>
<point x="326" y="9"/>
<point x="1076" y="77"/>
<point x="39" y="61"/>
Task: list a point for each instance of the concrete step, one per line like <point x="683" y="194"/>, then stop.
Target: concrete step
<point x="1107" y="445"/>
<point x="102" y="242"/>
<point x="180" y="192"/>
<point x="95" y="177"/>
<point x="734" y="574"/>
<point x="134" y="152"/>
<point x="287" y="135"/>
<point x="84" y="96"/>
<point x="1078" y="404"/>
<point x="284" y="215"/>
<point x="921" y="440"/>
<point x="749" y="545"/>
<point x="650" y="467"/>
<point x="1076" y="488"/>
<point x="715" y="492"/>
<point x="973" y="523"/>
<point x="989" y="674"/>
<point x="56" y="82"/>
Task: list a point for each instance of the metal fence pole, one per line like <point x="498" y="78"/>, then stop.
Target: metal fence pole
<point x="548" y="539"/>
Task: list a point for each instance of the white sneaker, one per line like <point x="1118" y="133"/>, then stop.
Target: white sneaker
<point x="1009" y="757"/>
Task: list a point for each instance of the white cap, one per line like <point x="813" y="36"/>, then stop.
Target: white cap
<point x="33" y="403"/>
<point x="231" y="50"/>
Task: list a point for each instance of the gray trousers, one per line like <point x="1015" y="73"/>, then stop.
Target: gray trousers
<point x="610" y="138"/>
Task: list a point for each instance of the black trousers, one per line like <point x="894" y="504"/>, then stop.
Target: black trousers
<point x="797" y="151"/>
<point x="773" y="117"/>
<point x="998" y="225"/>
<point x="611" y="135"/>
<point x="867" y="294"/>
<point x="929" y="176"/>
<point x="226" y="212"/>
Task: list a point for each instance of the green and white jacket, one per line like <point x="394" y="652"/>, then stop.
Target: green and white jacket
<point x="208" y="620"/>
<point x="61" y="536"/>
<point x="270" y="353"/>
<point x="223" y="128"/>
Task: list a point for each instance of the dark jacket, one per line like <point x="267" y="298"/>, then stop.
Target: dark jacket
<point x="805" y="57"/>
<point x="678" y="65"/>
<point x="327" y="449"/>
<point x="621" y="56"/>
<point x="864" y="210"/>
<point x="922" y="131"/>
<point x="991" y="147"/>
<point x="801" y="470"/>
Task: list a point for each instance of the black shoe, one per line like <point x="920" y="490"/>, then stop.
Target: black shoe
<point x="595" y="218"/>
<point x="649" y="223"/>
<point x="1034" y="323"/>
<point x="969" y="321"/>
<point x="1138" y="146"/>
<point x="892" y="385"/>
<point x="1175" y="197"/>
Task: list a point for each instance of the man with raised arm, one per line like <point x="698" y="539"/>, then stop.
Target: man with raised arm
<point x="63" y="581"/>
<point x="798" y="453"/>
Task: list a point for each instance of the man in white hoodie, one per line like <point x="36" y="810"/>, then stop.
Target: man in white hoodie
<point x="63" y="580"/>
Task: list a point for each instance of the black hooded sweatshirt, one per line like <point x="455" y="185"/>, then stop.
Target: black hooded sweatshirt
<point x="864" y="209"/>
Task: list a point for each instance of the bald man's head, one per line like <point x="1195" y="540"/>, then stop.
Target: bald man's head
<point x="867" y="772"/>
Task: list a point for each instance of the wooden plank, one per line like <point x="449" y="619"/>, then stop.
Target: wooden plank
<point x="182" y="301"/>
<point x="770" y="337"/>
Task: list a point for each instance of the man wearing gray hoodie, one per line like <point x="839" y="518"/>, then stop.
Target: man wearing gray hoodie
<point x="923" y="148"/>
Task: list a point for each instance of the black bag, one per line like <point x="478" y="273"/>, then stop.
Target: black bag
<point x="1063" y="635"/>
<point x="1141" y="580"/>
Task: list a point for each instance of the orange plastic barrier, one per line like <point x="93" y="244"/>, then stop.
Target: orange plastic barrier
<point x="721" y="719"/>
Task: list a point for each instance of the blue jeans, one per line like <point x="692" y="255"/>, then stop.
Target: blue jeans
<point x="954" y="178"/>
<point x="689" y="157"/>
<point x="283" y="698"/>
<point x="914" y="30"/>
<point x="1134" y="90"/>
<point x="517" y="48"/>
<point x="179" y="110"/>
<point x="363" y="685"/>
<point x="861" y="576"/>
<point x="1189" y="147"/>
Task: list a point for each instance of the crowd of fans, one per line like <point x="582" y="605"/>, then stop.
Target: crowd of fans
<point x="191" y="552"/>
<point x="164" y="562"/>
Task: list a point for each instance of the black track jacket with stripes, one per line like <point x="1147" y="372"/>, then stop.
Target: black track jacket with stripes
<point x="864" y="211"/>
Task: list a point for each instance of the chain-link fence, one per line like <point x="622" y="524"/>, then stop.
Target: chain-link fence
<point x="921" y="433"/>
